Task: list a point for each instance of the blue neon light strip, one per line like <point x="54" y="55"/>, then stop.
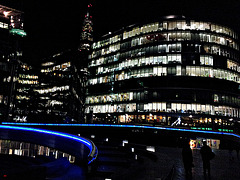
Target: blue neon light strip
<point x="64" y="135"/>
<point x="126" y="126"/>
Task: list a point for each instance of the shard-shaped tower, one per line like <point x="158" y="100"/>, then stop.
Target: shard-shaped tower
<point x="87" y="30"/>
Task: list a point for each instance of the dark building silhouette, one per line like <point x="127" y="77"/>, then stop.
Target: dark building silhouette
<point x="60" y="94"/>
<point x="11" y="33"/>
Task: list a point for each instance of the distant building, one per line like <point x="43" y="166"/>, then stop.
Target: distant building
<point x="173" y="72"/>
<point x="55" y="91"/>
<point x="11" y="33"/>
<point x="86" y="38"/>
<point x="24" y="101"/>
<point x="60" y="94"/>
<point x="53" y="95"/>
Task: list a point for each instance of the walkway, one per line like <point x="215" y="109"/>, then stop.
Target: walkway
<point x="116" y="162"/>
<point x="222" y="168"/>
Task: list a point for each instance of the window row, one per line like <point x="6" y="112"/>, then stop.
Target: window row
<point x="233" y="65"/>
<point x="213" y="73"/>
<point x="165" y="107"/>
<point x="61" y="67"/>
<point x="164" y="48"/>
<point x="164" y="71"/>
<point x="110" y="49"/>
<point x="180" y="24"/>
<point x="20" y="81"/>
<point x="206" y="60"/>
<point x="167" y="25"/>
<point x="138" y="30"/>
<point x="27" y="76"/>
<point x="53" y="89"/>
<point x="3" y="25"/>
<point x="184" y="36"/>
<point x="221" y="98"/>
<point x="164" y="95"/>
<point x="110" y="98"/>
<point x="106" y="42"/>
<point x="169" y="59"/>
<point x="19" y="97"/>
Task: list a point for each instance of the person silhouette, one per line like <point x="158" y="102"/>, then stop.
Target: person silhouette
<point x="187" y="159"/>
<point x="237" y="151"/>
<point x="207" y="155"/>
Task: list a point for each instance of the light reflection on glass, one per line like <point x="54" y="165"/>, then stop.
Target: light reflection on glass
<point x="31" y="150"/>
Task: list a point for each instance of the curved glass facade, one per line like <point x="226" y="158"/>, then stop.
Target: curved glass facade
<point x="174" y="70"/>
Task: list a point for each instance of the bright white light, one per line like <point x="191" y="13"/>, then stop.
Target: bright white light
<point x="177" y="122"/>
<point x="132" y="149"/>
<point x="136" y="157"/>
<point x="5" y="13"/>
<point x="106" y="139"/>
<point x="150" y="148"/>
<point x="124" y="142"/>
<point x="93" y="136"/>
<point x="170" y="17"/>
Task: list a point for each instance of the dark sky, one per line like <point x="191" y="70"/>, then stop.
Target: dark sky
<point x="52" y="28"/>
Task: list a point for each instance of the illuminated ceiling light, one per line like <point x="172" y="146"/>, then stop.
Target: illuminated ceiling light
<point x="6" y="13"/>
<point x="170" y="17"/>
<point x="135" y="156"/>
<point x="124" y="142"/>
<point x="150" y="148"/>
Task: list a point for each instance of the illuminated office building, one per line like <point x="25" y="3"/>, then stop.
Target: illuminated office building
<point x="176" y="71"/>
<point x="11" y="33"/>
<point x="53" y="95"/>
<point x="25" y="102"/>
<point x="60" y="91"/>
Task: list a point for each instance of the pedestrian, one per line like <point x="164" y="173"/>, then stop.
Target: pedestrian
<point x="230" y="152"/>
<point x="207" y="155"/>
<point x="237" y="151"/>
<point x="187" y="159"/>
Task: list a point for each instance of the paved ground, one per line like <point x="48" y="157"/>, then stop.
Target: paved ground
<point x="159" y="165"/>
<point x="222" y="167"/>
<point x="20" y="167"/>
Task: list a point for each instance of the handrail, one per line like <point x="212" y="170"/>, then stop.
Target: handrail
<point x="127" y="126"/>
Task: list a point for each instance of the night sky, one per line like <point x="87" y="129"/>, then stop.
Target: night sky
<point x="52" y="28"/>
